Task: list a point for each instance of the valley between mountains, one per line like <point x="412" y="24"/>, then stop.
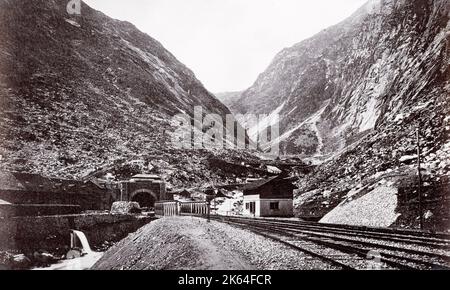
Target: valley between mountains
<point x="86" y="96"/>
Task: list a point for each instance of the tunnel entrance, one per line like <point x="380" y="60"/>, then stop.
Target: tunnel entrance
<point x="145" y="199"/>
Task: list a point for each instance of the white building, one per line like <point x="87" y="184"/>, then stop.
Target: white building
<point x="271" y="197"/>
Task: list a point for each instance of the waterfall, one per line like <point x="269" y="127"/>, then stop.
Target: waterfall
<point x="83" y="240"/>
<point x="85" y="261"/>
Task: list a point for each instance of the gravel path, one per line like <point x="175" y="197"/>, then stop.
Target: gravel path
<point x="188" y="243"/>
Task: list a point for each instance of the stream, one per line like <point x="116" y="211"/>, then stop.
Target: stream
<point x="85" y="262"/>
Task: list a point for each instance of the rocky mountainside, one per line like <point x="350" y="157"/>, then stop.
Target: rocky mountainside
<point x="355" y="77"/>
<point x="229" y="98"/>
<point x="354" y="97"/>
<point x="83" y="92"/>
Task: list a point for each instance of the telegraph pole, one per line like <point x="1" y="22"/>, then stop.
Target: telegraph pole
<point x="419" y="188"/>
<point x="209" y="211"/>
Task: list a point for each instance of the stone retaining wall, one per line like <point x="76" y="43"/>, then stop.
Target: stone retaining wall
<point x="52" y="233"/>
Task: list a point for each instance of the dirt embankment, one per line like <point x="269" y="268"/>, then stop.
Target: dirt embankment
<point x="185" y="243"/>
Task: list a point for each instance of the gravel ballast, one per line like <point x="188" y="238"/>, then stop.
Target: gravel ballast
<point x="189" y="243"/>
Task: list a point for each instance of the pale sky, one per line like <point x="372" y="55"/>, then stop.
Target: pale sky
<point x="228" y="43"/>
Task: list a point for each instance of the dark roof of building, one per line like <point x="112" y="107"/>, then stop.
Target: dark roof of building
<point x="16" y="181"/>
<point x="279" y="187"/>
<point x="258" y="184"/>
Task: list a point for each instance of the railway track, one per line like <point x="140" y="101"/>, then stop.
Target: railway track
<point x="346" y="247"/>
<point x="412" y="236"/>
<point x="438" y="245"/>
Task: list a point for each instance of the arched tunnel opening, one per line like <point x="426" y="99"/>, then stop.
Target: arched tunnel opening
<point x="145" y="199"/>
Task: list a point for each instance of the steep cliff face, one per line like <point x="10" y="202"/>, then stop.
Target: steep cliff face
<point x="336" y="87"/>
<point x="78" y="92"/>
<point x="354" y="97"/>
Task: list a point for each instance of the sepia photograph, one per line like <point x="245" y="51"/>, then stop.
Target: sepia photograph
<point x="231" y="136"/>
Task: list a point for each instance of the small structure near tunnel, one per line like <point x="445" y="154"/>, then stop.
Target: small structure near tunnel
<point x="272" y="197"/>
<point x="145" y="189"/>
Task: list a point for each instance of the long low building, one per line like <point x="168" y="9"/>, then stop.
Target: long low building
<point x="33" y="189"/>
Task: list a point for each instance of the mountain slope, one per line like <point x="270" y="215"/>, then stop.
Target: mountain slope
<point x="78" y="93"/>
<point x="355" y="96"/>
<point x="337" y="86"/>
<point x="229" y="98"/>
